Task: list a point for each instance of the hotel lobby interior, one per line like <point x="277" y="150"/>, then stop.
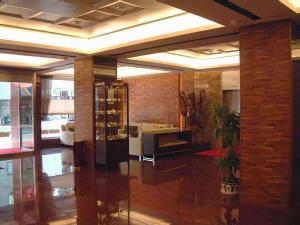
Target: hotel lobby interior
<point x="149" y="112"/>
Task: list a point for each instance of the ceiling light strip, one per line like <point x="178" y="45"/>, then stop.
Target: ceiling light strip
<point x="164" y="28"/>
<point x="155" y="30"/>
<point x="292" y="4"/>
<point x="188" y="62"/>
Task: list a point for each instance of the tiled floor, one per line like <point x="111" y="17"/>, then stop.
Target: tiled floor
<point x="178" y="190"/>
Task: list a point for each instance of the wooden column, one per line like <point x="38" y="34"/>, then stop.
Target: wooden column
<point x="86" y="69"/>
<point x="37" y="119"/>
<point x="84" y="106"/>
<point x="266" y="123"/>
<point x="295" y="197"/>
<point x="84" y="131"/>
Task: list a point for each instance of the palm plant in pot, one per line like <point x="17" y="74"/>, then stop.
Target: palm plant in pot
<point x="227" y="135"/>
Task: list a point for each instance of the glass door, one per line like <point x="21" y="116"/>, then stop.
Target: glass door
<point x="26" y="128"/>
<point x="15" y="117"/>
<point x="6" y="142"/>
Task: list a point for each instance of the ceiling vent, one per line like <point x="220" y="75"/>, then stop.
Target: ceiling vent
<point x="238" y="9"/>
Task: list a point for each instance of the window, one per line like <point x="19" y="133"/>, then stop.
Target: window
<point x="58" y="107"/>
<point x="231" y="98"/>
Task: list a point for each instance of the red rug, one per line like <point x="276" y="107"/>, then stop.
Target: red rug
<point x="10" y="150"/>
<point x="216" y="153"/>
<point x="13" y="150"/>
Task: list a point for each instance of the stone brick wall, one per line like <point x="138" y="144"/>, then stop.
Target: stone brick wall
<point x="154" y="99"/>
<point x="266" y="115"/>
<point x="84" y="106"/>
<point x="187" y="82"/>
<point x="84" y="123"/>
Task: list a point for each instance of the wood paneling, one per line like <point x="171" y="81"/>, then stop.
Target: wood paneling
<point x="211" y="83"/>
<point x="37" y="126"/>
<point x="295" y="197"/>
<point x="265" y="54"/>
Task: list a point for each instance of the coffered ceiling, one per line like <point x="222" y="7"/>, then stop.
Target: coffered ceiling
<point x="209" y="51"/>
<point x="91" y="27"/>
<point x="82" y="18"/>
<point x="178" y="34"/>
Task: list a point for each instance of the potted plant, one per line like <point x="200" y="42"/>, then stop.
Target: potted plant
<point x="227" y="135"/>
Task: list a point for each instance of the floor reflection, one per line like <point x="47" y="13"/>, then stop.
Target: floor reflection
<point x="17" y="191"/>
<point x="56" y="187"/>
<point x="45" y="189"/>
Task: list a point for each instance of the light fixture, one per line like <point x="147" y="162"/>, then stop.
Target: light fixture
<point x="168" y="27"/>
<point x="132" y="71"/>
<point x="33" y="38"/>
<point x="68" y="71"/>
<point x="296" y="53"/>
<point x="124" y="71"/>
<point x="180" y="24"/>
<point x="190" y="62"/>
<point x="8" y="59"/>
<point x="292" y="4"/>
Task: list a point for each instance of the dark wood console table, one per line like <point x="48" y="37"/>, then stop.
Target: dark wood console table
<point x="158" y="143"/>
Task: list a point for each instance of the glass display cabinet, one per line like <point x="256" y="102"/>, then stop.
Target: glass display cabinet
<point x="111" y="122"/>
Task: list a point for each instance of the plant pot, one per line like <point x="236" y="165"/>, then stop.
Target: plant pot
<point x="230" y="186"/>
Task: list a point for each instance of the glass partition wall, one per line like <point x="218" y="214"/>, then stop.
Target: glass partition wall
<point x="16" y="117"/>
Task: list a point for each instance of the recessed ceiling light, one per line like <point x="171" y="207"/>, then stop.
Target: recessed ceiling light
<point x="25" y="60"/>
<point x="292" y="4"/>
<point x="120" y="7"/>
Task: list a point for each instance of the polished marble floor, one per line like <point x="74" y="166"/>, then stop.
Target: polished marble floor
<point x="45" y="189"/>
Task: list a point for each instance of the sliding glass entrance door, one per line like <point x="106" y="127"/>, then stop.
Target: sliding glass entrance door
<point x="26" y="128"/>
<point x="15" y="116"/>
<point x="5" y="115"/>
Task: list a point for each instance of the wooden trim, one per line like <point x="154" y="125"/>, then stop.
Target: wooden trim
<point x="8" y="74"/>
<point x="49" y="143"/>
<point x="37" y="50"/>
<point x="16" y="155"/>
<point x="37" y="127"/>
<point x="180" y="89"/>
<point x="180" y="45"/>
<point x="56" y="68"/>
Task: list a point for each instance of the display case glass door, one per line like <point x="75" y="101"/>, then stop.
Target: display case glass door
<point x="111" y="122"/>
